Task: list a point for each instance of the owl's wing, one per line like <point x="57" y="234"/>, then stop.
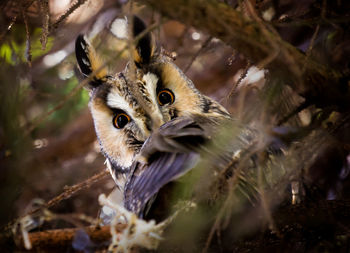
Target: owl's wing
<point x="164" y="169"/>
<point x="171" y="152"/>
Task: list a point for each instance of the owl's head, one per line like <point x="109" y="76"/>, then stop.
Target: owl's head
<point x="127" y="106"/>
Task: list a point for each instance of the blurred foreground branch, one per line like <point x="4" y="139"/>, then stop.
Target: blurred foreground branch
<point x="71" y="190"/>
<point x="299" y="218"/>
<point x="64" y="237"/>
<point x="259" y="42"/>
<point x="66" y="194"/>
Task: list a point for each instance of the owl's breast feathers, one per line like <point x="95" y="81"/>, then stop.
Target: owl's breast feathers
<point x="166" y="155"/>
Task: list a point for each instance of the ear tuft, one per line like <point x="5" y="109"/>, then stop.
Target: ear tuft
<point x="89" y="62"/>
<point x="145" y="46"/>
<point x="82" y="55"/>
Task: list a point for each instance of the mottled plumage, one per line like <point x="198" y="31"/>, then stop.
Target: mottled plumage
<point x="149" y="118"/>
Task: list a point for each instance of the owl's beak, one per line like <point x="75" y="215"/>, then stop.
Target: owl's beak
<point x="154" y="121"/>
<point x="157" y="120"/>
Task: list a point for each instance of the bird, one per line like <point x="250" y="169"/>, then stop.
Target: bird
<point x="150" y="120"/>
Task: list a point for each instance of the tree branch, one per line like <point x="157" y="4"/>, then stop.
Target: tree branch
<point x="64" y="237"/>
<point x="66" y="194"/>
<point x="253" y="38"/>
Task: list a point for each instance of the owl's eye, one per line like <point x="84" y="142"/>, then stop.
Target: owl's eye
<point x="165" y="97"/>
<point x="120" y="120"/>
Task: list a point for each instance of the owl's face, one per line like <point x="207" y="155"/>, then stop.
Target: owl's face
<point x="127" y="107"/>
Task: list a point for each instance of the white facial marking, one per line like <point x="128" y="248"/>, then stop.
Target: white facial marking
<point x="151" y="81"/>
<point x="116" y="101"/>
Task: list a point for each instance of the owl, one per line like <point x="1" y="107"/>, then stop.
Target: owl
<point x="149" y="119"/>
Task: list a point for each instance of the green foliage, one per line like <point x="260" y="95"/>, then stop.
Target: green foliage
<point x="14" y="52"/>
<point x="6" y="53"/>
<point x="71" y="107"/>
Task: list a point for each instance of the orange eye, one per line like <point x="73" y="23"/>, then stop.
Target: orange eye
<point x="165" y="97"/>
<point x="120" y="120"/>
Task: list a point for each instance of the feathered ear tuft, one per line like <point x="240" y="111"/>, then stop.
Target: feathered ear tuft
<point x="89" y="62"/>
<point x="145" y="46"/>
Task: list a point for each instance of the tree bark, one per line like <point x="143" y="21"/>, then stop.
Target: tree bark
<point x="57" y="238"/>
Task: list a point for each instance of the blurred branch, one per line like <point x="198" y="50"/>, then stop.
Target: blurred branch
<point x="71" y="190"/>
<point x="257" y="43"/>
<point x="40" y="119"/>
<point x="71" y="9"/>
<point x="68" y="192"/>
<point x="28" y="44"/>
<point x="241" y="77"/>
<point x="24" y="7"/>
<point x="312" y="42"/>
<point x="64" y="237"/>
<point x="322" y="212"/>
<point x="45" y="12"/>
<point x="199" y="51"/>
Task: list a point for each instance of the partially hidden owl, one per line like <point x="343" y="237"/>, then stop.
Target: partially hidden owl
<point x="149" y="119"/>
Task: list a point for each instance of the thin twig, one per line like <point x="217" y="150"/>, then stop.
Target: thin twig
<point x="263" y="196"/>
<point x="314" y="36"/>
<point x="13" y="21"/>
<point x="44" y="9"/>
<point x="233" y="184"/>
<point x="40" y="119"/>
<point x="71" y="9"/>
<point x="311" y="22"/>
<point x="28" y="44"/>
<point x="199" y="51"/>
<point x="241" y="77"/>
<point x="66" y="194"/>
<point x="64" y="237"/>
<point x="277" y="45"/>
<point x="294" y="112"/>
<point x="71" y="190"/>
<point x="311" y="45"/>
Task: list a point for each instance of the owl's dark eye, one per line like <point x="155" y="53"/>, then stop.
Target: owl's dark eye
<point x="165" y="97"/>
<point x="120" y="120"/>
